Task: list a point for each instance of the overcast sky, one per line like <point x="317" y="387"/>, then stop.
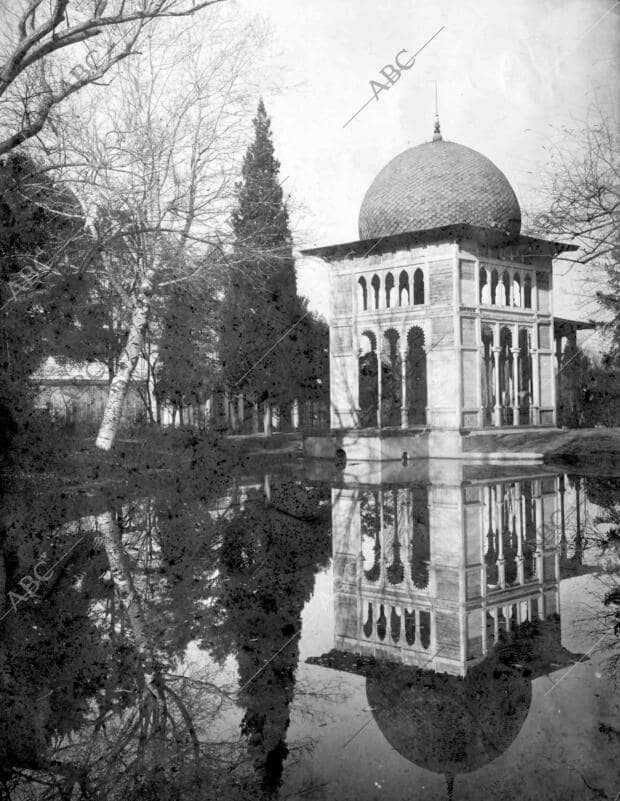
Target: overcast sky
<point x="510" y="75"/>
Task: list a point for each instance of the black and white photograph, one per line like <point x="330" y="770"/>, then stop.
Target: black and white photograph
<point x="309" y="400"/>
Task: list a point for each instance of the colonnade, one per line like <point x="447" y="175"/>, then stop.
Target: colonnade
<point x="513" y="531"/>
<point x="375" y="293"/>
<point x="510" y="377"/>
<point x="509" y="289"/>
<point x="395" y="544"/>
<point x="392" y="379"/>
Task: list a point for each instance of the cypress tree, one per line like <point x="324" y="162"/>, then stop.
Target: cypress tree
<point x="261" y="301"/>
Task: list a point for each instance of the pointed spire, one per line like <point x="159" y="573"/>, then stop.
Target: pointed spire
<point x="437" y="130"/>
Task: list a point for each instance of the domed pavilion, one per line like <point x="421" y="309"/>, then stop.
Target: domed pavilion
<point x="441" y="313"/>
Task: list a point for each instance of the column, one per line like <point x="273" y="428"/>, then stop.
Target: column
<point x="558" y="402"/>
<point x="539" y="532"/>
<point x="515" y="384"/>
<point x="379" y="378"/>
<point x="358" y="580"/>
<point x="519" y="523"/>
<point x="404" y="421"/>
<point x="535" y="385"/>
<point x="497" y="412"/>
<point x="383" y="560"/>
<point x="500" y="534"/>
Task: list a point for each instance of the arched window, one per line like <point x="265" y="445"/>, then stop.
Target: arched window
<point x="389" y="290"/>
<point x="391" y="383"/>
<point x="403" y="289"/>
<point x="525" y="375"/>
<point x="527" y="292"/>
<point x="367" y="378"/>
<point x="395" y="625"/>
<point x="494" y="281"/>
<point x="376" y="285"/>
<point x="484" y="286"/>
<point x="363" y="294"/>
<point x="506" y="386"/>
<point x="487" y="375"/>
<point x="505" y="289"/>
<point x="425" y="628"/>
<point x="418" y="287"/>
<point x="409" y="627"/>
<point x="517" y="300"/>
<point x="370" y="526"/>
<point x="416" y="377"/>
<point x="381" y="623"/>
<point x="420" y="549"/>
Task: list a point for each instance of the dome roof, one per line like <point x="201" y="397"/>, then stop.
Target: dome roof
<point x="437" y="184"/>
<point x="446" y="724"/>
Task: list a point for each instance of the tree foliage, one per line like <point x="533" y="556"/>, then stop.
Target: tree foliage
<point x="186" y="343"/>
<point x="271" y="347"/>
<point x="38" y="222"/>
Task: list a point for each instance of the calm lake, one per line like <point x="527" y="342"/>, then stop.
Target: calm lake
<point x="433" y="630"/>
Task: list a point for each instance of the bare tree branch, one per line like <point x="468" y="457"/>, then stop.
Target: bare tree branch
<point x="42" y="32"/>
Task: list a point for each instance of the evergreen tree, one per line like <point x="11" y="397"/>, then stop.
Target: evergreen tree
<point x="39" y="224"/>
<point x="186" y="370"/>
<point x="261" y="302"/>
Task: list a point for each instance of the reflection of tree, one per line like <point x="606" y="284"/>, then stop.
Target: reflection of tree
<point x="269" y="557"/>
<point x="421" y="543"/>
<point x="602" y="537"/>
<point x="370" y="521"/>
<point x="91" y="703"/>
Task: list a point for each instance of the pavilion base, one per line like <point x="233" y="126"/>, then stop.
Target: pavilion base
<point x="490" y="445"/>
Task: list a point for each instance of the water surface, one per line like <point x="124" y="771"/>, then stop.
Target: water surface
<point x="429" y="631"/>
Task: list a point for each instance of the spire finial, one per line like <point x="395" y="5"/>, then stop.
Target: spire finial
<point x="437" y="130"/>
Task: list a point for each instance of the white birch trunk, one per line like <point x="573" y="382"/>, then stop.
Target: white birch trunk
<point x="123" y="582"/>
<point x="126" y="365"/>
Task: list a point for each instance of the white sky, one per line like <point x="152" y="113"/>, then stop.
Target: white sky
<point x="510" y="74"/>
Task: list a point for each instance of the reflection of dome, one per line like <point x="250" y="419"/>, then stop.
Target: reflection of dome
<point x="447" y="724"/>
<point x="452" y="725"/>
<point x="438" y="184"/>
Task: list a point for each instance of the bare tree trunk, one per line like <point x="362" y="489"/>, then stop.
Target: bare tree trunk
<point x="126" y="365"/>
<point x="123" y="581"/>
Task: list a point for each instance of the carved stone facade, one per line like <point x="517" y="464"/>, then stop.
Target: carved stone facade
<point x="446" y="328"/>
<point x="428" y="572"/>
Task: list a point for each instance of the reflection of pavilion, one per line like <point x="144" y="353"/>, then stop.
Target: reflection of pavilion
<point x="427" y="572"/>
<point x="446" y="599"/>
